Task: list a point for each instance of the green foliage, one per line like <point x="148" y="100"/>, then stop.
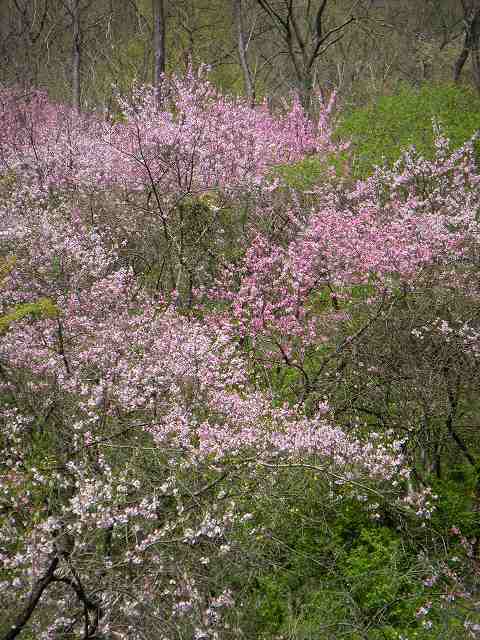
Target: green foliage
<point x="382" y="130"/>
<point x="374" y="569"/>
<point x="309" y="172"/>
<point x="456" y="497"/>
<point x="339" y="575"/>
<point x="301" y="175"/>
<point x="42" y="308"/>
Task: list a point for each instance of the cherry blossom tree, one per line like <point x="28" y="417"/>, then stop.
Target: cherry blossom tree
<point x="140" y="435"/>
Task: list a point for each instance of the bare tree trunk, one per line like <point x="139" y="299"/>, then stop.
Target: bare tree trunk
<point x="471" y="45"/>
<point x="158" y="46"/>
<point x="242" y="51"/>
<point x="475" y="47"/>
<point x="76" y="51"/>
<point x="460" y="63"/>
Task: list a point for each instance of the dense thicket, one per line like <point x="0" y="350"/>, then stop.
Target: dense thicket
<point x="239" y="338"/>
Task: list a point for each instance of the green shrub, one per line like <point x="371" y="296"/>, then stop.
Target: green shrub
<point x="313" y="170"/>
<point x="394" y="123"/>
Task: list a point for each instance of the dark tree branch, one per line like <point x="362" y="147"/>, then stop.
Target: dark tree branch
<point x="35" y="595"/>
<point x="318" y="19"/>
<point x="459" y="64"/>
<point x="273" y="14"/>
<point x="317" y="52"/>
<point x="61" y="348"/>
<point x="471" y="44"/>
<point x="453" y="396"/>
<point x="89" y="605"/>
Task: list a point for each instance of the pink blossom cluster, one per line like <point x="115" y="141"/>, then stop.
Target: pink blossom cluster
<point x="117" y="360"/>
<point x="139" y="430"/>
<point x="198" y="140"/>
<point x="378" y="234"/>
<point x="119" y="351"/>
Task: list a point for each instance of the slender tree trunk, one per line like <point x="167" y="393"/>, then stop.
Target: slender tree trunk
<point x="471" y="45"/>
<point x="475" y="47"/>
<point x="242" y="51"/>
<point x="76" y="54"/>
<point x="158" y="8"/>
<point x="460" y="63"/>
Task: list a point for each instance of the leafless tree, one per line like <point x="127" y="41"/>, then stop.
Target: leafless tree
<point x="243" y="43"/>
<point x="76" y="53"/>
<point x="23" y="26"/>
<point x="306" y="36"/>
<point x="158" y="9"/>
